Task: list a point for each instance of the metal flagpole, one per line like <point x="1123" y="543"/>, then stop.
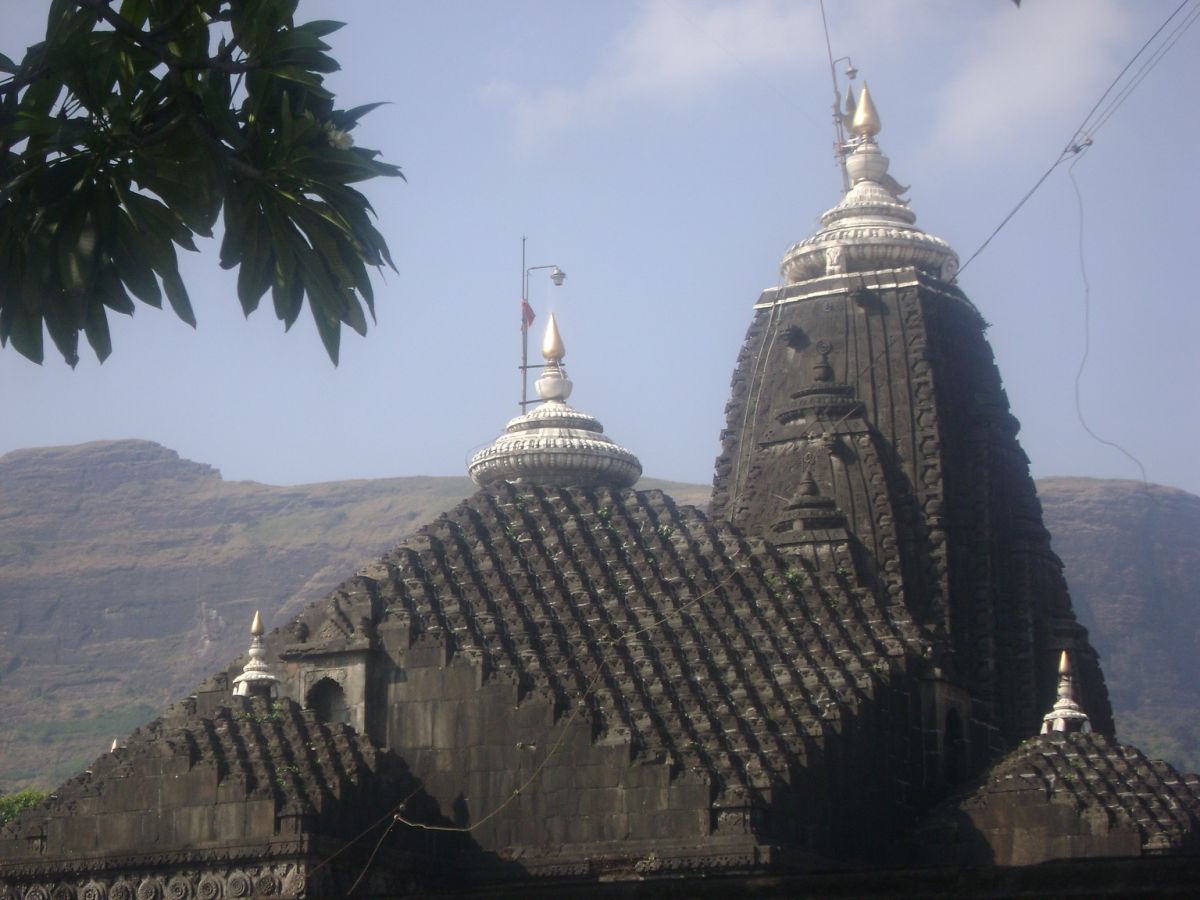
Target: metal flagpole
<point x="524" y="329"/>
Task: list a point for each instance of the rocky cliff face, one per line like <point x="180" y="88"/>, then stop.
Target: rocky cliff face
<point x="1132" y="552"/>
<point x="127" y="574"/>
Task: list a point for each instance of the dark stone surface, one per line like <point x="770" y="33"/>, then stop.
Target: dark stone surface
<point x="896" y="409"/>
<point x="602" y="692"/>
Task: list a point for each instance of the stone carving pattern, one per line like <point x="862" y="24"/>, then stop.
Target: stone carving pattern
<point x="928" y="466"/>
<point x="93" y="890"/>
<point x="293" y="883"/>
<point x="312" y="676"/>
<point x="209" y="887"/>
<point x="121" y="890"/>
<point x="728" y="464"/>
<point x="239" y="885"/>
<point x="179" y="888"/>
<point x="37" y="892"/>
<point x="62" y="891"/>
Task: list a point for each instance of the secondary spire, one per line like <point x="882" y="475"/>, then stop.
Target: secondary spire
<point x="1067" y="715"/>
<point x="555" y="444"/>
<point x="256" y="679"/>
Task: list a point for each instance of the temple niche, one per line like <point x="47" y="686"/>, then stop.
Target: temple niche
<point x="857" y="673"/>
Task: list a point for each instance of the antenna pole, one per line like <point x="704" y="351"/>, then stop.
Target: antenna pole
<point x="839" y="134"/>
<point x="524" y="329"/>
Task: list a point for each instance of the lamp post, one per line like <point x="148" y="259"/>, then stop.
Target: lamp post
<point x="558" y="276"/>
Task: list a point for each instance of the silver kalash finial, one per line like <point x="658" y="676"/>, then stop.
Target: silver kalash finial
<point x="872" y="228"/>
<point x="555" y="444"/>
<point x="1067" y="715"/>
<point x="256" y="679"/>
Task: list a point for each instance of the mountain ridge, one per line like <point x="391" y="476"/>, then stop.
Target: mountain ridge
<point x="128" y="573"/>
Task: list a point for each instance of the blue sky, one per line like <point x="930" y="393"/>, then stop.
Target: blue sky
<point x="665" y="154"/>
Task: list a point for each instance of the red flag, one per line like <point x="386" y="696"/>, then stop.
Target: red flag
<point x="527" y="315"/>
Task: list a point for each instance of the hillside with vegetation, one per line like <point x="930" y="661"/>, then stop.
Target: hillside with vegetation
<point x="127" y="574"/>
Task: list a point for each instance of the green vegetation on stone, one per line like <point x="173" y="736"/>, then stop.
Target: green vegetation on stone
<point x="12" y="805"/>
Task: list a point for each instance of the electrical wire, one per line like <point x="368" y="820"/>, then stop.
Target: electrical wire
<point x="1080" y="138"/>
<point x="1146" y="68"/>
<point x="371" y="858"/>
<point x="1087" y="345"/>
<point x="1086" y="119"/>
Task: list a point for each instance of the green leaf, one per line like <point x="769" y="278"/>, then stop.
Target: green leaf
<point x="287" y="290"/>
<point x="24" y="330"/>
<point x="133" y="265"/>
<point x="346" y="119"/>
<point x="65" y="334"/>
<point x="258" y="263"/>
<point x="328" y="327"/>
<point x="178" y="296"/>
<point x="96" y="329"/>
<point x="321" y="27"/>
<point x="135" y="12"/>
<point x="236" y="218"/>
<point x="112" y="291"/>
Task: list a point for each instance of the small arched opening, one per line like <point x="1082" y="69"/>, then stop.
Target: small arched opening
<point x="327" y="699"/>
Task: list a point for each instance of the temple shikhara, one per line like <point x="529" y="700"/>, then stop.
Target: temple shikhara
<point x="858" y="673"/>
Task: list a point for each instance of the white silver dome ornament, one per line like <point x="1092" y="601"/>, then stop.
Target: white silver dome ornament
<point x="555" y="444"/>
<point x="256" y="679"/>
<point x="872" y="228"/>
<point x="1067" y="715"/>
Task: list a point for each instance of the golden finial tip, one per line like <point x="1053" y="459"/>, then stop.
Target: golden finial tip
<point x="552" y="344"/>
<point x="115" y="746"/>
<point x="866" y="117"/>
<point x="1064" y="664"/>
<point x="256" y="627"/>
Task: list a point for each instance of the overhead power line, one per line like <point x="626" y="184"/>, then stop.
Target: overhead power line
<point x="1097" y="116"/>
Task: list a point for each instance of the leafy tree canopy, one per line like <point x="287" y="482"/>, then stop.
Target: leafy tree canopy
<point x="12" y="805"/>
<point x="137" y="123"/>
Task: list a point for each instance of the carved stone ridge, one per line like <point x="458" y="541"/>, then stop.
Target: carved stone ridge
<point x="83" y="865"/>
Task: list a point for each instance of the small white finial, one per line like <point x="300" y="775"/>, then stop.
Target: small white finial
<point x="1067" y="715"/>
<point x="116" y="745"/>
<point x="256" y="679"/>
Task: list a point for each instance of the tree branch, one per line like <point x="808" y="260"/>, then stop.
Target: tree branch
<point x="153" y="43"/>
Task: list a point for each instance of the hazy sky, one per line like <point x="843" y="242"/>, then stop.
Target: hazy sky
<point x="665" y="154"/>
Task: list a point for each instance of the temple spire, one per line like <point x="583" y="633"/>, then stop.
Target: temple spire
<point x="1067" y="715"/>
<point x="256" y="679"/>
<point x="555" y="444"/>
<point x="872" y="229"/>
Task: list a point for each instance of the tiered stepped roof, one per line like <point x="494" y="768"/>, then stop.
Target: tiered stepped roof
<point x="675" y="631"/>
<point x="251" y="750"/>
<point x="1098" y="776"/>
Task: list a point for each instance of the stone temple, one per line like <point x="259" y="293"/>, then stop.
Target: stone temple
<point x="857" y="674"/>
